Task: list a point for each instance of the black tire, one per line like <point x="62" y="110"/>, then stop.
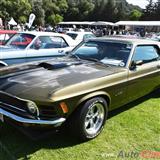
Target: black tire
<point x="85" y="124"/>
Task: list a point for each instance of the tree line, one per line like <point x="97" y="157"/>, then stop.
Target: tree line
<point x="54" y="11"/>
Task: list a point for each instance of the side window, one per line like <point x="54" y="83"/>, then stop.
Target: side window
<point x="49" y="42"/>
<point x="40" y="42"/>
<point x="147" y="53"/>
<point x="56" y="42"/>
<point x="61" y="43"/>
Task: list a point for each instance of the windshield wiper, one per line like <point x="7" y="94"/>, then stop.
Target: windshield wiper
<point x="95" y="60"/>
<point x="74" y="56"/>
<point x="91" y="59"/>
<point x="88" y="59"/>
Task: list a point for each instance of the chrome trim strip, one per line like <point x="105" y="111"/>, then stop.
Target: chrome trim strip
<point x="13" y="107"/>
<point x="56" y="122"/>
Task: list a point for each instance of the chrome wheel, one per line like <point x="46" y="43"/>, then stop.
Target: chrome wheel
<point x="89" y="119"/>
<point x="94" y="118"/>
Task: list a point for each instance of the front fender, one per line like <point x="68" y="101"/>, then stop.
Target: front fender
<point x="95" y="94"/>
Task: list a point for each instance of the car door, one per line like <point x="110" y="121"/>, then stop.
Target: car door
<point x="144" y="77"/>
<point x="45" y="47"/>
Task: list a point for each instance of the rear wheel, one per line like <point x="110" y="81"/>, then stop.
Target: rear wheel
<point x="89" y="120"/>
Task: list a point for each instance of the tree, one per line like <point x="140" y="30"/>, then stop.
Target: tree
<point x="98" y="11"/>
<point x="3" y="11"/>
<point x="157" y="10"/>
<point x="58" y="19"/>
<point x="63" y="6"/>
<point x="54" y="10"/>
<point x="135" y="15"/>
<point x="122" y="11"/>
<point x="149" y="11"/>
<point x="22" y="8"/>
<point x="79" y="10"/>
<point x="38" y="11"/>
<point x="85" y="7"/>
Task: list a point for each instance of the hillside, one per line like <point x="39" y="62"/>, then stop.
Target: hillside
<point x="96" y="10"/>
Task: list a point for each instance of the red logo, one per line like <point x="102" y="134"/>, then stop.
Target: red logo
<point x="150" y="154"/>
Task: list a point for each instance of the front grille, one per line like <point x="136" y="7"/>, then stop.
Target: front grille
<point x="14" y="105"/>
<point x="18" y="107"/>
<point x="47" y="112"/>
<point x="12" y="100"/>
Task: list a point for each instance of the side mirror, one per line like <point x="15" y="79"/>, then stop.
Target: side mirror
<point x="134" y="64"/>
<point x="67" y="52"/>
<point x="139" y="63"/>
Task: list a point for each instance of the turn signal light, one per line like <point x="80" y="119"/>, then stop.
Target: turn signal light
<point x="64" y="107"/>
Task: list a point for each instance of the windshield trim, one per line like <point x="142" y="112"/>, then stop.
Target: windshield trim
<point x="72" y="53"/>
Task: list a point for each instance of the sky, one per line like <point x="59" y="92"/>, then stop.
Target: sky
<point x="141" y="3"/>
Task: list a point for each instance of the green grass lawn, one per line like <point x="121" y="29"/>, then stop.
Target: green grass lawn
<point x="131" y="129"/>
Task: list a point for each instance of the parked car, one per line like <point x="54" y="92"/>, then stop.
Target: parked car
<point x="80" y="36"/>
<point x="31" y="46"/>
<point x="80" y="89"/>
<point x="157" y="38"/>
<point x="5" y="35"/>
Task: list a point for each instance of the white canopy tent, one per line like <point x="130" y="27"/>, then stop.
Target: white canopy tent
<point x="1" y="22"/>
<point x="88" y="23"/>
<point x="76" y="23"/>
<point x="12" y="22"/>
<point x="149" y="26"/>
<point x="138" y="23"/>
<point x="102" y="23"/>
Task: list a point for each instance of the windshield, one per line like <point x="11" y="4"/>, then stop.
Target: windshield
<point x="107" y="52"/>
<point x="20" y="40"/>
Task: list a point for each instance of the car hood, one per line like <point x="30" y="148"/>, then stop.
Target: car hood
<point x="40" y="81"/>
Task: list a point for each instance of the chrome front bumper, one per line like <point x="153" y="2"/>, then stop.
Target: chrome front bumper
<point x="55" y="122"/>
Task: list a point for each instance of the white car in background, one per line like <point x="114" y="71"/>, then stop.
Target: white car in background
<point x="80" y="36"/>
<point x="30" y="46"/>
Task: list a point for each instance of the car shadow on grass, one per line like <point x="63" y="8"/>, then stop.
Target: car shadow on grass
<point x="15" y="145"/>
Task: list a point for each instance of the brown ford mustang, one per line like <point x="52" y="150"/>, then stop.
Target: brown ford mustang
<point x="78" y="90"/>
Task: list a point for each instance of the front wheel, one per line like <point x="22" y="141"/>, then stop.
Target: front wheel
<point x="90" y="118"/>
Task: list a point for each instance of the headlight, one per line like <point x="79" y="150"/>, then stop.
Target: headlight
<point x="32" y="108"/>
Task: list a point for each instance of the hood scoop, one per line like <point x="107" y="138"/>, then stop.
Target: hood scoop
<point x="56" y="66"/>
